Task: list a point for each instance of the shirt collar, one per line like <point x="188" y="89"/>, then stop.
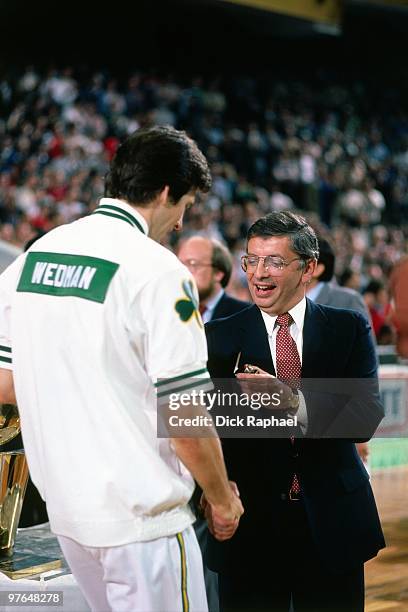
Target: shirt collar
<point x="212" y="303"/>
<point x="297" y="313"/>
<point x="125" y="211"/>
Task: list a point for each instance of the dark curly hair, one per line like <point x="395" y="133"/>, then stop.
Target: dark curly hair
<point x="151" y="158"/>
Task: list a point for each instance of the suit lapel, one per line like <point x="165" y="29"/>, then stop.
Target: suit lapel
<point x="254" y="341"/>
<point x="220" y="308"/>
<point x="317" y="350"/>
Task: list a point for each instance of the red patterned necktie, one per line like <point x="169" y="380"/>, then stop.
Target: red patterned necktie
<point x="288" y="369"/>
<point x="202" y="308"/>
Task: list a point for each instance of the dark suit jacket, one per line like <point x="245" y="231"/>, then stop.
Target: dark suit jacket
<point x="335" y="486"/>
<point x="227" y="306"/>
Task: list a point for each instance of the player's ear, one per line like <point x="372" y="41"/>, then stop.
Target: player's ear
<point x="163" y="196"/>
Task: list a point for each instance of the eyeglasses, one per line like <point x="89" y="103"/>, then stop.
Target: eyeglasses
<point x="250" y="262"/>
<point x="194" y="264"/>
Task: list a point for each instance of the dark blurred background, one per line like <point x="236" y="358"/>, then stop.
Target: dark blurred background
<point x="205" y="36"/>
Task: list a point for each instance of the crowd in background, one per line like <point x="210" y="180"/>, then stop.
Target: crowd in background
<point x="337" y="152"/>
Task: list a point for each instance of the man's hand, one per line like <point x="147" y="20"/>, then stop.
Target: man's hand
<point x="203" y="500"/>
<point x="223" y="520"/>
<point x="363" y="450"/>
<point x="256" y="380"/>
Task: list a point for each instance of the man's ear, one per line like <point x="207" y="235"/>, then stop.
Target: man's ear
<point x="163" y="196"/>
<point x="309" y="271"/>
<point x="320" y="268"/>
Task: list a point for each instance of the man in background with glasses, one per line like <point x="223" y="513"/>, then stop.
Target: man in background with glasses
<point x="210" y="263"/>
<point x="311" y="520"/>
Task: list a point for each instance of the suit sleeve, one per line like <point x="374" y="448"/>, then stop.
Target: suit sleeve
<point x="223" y="349"/>
<point x="349" y="407"/>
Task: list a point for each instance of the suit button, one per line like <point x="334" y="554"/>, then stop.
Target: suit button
<point x="284" y="496"/>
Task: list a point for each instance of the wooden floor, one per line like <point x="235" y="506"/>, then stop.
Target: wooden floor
<point x="387" y="575"/>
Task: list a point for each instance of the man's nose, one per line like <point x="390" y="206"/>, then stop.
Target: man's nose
<point x="260" y="269"/>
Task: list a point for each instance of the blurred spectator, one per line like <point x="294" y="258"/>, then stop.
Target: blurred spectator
<point x="350" y="279"/>
<point x="362" y="206"/>
<point x="279" y="200"/>
<point x="386" y="335"/>
<point x="327" y="193"/>
<point x="399" y="294"/>
<point x="379" y="306"/>
<point x="323" y="290"/>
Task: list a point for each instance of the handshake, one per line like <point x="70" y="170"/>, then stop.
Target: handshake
<point x="223" y="519"/>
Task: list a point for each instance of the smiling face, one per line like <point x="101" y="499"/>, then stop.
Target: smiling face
<point x="277" y="291"/>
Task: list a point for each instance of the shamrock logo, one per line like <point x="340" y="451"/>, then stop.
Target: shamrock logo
<point x="188" y="306"/>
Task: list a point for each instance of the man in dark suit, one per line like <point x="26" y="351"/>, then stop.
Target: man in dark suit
<point x="311" y="520"/>
<point x="322" y="290"/>
<point x="210" y="263"/>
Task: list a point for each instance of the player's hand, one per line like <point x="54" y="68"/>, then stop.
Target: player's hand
<point x="223" y="520"/>
<point x="363" y="450"/>
<point x="203" y="503"/>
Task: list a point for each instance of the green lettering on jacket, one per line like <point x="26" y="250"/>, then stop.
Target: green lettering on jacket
<point x="62" y="274"/>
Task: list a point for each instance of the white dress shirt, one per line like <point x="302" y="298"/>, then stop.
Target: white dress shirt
<point x="296" y="331"/>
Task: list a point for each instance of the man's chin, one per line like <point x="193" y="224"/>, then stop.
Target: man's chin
<point x="264" y="302"/>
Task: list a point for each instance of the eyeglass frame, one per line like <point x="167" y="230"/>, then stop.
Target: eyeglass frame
<point x="284" y="264"/>
<point x="194" y="263"/>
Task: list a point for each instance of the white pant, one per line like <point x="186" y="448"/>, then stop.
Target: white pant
<point x="163" y="575"/>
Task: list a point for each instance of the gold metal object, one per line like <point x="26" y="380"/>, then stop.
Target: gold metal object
<point x="250" y="369"/>
<point x="13" y="483"/>
<point x="14" y="477"/>
<point x="27" y="565"/>
<point x="9" y="423"/>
